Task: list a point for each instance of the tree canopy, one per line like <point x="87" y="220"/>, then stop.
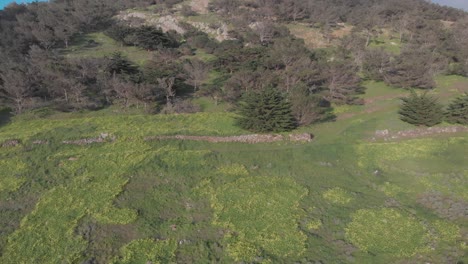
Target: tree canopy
<point x="421" y="110"/>
<point x="266" y="111"/>
<point x="457" y="111"/>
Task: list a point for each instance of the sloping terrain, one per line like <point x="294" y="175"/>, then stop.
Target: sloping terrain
<point x="340" y="198"/>
<point x="125" y="146"/>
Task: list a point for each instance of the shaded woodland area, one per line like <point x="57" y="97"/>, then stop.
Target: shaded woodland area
<point x="261" y="53"/>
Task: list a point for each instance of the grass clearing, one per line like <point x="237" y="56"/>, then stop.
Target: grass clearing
<point x="98" y="45"/>
<point x="216" y="124"/>
<point x="337" y="199"/>
<point x="389" y="44"/>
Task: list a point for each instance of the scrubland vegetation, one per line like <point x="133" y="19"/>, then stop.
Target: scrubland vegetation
<point x="89" y="89"/>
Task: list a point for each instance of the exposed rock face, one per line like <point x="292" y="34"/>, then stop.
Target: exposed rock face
<point x="220" y="32"/>
<point x="170" y="23"/>
<point x="166" y="23"/>
<point x="200" y="6"/>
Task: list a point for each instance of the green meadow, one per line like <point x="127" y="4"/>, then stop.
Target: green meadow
<point x="342" y="198"/>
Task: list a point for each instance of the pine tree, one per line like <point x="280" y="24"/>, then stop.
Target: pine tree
<point x="457" y="111"/>
<point x="421" y="110"/>
<point x="267" y="111"/>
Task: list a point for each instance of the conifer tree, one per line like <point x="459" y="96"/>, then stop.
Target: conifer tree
<point x="421" y="110"/>
<point x="266" y="111"/>
<point x="457" y="111"/>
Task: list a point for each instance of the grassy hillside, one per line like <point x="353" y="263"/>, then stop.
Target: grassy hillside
<point x="342" y="198"/>
<point x="98" y="45"/>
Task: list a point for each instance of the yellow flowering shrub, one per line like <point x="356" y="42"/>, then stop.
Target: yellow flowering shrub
<point x="337" y="195"/>
<point x="233" y="169"/>
<point x="387" y="231"/>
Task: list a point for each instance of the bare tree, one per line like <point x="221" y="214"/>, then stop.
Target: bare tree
<point x="166" y="55"/>
<point x="308" y="107"/>
<point x="375" y="64"/>
<point x="75" y="93"/>
<point x="227" y="7"/>
<point x="15" y="87"/>
<point x="401" y="25"/>
<point x="196" y="71"/>
<point x="143" y="93"/>
<point x="286" y="52"/>
<point x="37" y="25"/>
<point x="166" y="84"/>
<point x="304" y="70"/>
<point x="240" y="82"/>
<point x="265" y="31"/>
<point x="343" y="83"/>
<point x="294" y="9"/>
<point x="120" y="89"/>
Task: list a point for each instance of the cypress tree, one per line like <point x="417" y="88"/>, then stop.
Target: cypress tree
<point x="267" y="111"/>
<point x="421" y="110"/>
<point x="457" y="111"/>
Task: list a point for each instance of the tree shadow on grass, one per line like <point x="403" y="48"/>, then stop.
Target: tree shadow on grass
<point x="5" y="116"/>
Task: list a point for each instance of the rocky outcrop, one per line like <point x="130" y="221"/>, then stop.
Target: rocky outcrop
<point x="220" y="32"/>
<point x="200" y="6"/>
<point x="166" y="23"/>
<point x="170" y="23"/>
<point x="10" y="143"/>
<point x="103" y="137"/>
<point x="414" y="133"/>
<point x="304" y="137"/>
<point x="250" y="139"/>
<point x="40" y="142"/>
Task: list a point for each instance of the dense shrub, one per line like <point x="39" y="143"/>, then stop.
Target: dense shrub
<point x="421" y="110"/>
<point x="267" y="111"/>
<point x="457" y="111"/>
<point x="146" y="37"/>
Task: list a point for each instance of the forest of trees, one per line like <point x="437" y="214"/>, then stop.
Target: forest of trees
<point x="35" y="73"/>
